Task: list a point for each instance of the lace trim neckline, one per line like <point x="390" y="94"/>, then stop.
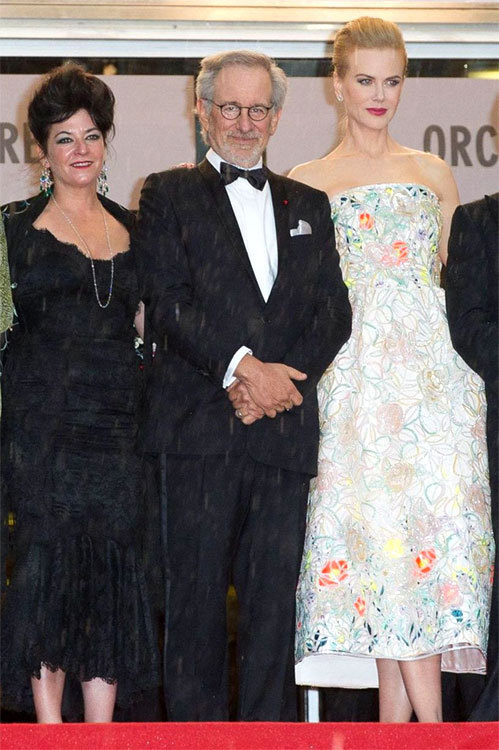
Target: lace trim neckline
<point x="74" y="246"/>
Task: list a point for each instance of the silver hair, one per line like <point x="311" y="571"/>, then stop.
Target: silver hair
<point x="212" y="65"/>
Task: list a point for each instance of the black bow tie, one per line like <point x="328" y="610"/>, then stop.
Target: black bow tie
<point x="256" y="177"/>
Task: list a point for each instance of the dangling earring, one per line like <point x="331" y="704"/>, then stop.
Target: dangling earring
<point x="339" y="97"/>
<point x="102" y="186"/>
<point x="46" y="181"/>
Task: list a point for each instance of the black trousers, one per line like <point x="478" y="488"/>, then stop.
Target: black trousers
<point x="231" y="518"/>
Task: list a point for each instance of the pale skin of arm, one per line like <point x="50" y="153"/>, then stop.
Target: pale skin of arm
<point x="139" y="320"/>
<point x="449" y="200"/>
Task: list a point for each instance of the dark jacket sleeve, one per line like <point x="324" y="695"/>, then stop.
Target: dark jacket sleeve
<point x="206" y="339"/>
<point x="331" y="325"/>
<point x="472" y="322"/>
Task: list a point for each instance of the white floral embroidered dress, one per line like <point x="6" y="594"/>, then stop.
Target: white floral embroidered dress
<point x="399" y="548"/>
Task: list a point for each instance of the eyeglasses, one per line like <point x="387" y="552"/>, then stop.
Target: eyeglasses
<point x="232" y="111"/>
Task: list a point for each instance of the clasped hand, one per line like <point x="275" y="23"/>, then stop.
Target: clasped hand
<point x="263" y="389"/>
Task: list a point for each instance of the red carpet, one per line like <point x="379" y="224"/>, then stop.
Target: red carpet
<point x="257" y="736"/>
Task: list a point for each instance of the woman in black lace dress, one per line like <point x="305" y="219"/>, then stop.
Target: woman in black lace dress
<point x="76" y="609"/>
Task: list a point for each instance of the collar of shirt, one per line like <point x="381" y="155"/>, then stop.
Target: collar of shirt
<point x="215" y="161"/>
<point x="254" y="214"/>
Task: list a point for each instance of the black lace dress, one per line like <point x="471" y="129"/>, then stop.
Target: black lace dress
<point x="77" y="598"/>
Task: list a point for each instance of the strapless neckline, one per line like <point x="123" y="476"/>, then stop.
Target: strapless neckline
<point x="374" y="185"/>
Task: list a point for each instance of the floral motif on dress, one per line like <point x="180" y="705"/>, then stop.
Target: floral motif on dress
<point x="399" y="548"/>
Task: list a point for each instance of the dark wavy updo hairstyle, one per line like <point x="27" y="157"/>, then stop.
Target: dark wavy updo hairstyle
<point x="63" y="92"/>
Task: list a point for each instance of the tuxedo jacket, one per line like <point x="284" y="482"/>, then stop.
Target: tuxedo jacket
<point x="472" y="287"/>
<point x="203" y="302"/>
<point x="472" y="305"/>
<point x="472" y="281"/>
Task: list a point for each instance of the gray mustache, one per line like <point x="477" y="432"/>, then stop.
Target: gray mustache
<point x="244" y="136"/>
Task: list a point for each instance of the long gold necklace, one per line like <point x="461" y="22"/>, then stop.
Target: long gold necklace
<point x="111" y="256"/>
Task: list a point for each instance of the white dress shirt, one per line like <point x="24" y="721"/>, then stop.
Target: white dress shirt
<point x="254" y="214"/>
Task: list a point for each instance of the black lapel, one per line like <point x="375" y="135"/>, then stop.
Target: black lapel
<point x="217" y="190"/>
<point x="281" y="216"/>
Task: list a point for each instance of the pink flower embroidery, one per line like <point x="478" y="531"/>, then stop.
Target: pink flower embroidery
<point x="476" y="498"/>
<point x="451" y="594"/>
<point x="401" y="252"/>
<point x="366" y="221"/>
<point x="395" y="254"/>
<point x="390" y="418"/>
<point x="333" y="572"/>
<point x="425" y="560"/>
<point x="327" y="476"/>
<point x="360" y="605"/>
<point x="478" y="429"/>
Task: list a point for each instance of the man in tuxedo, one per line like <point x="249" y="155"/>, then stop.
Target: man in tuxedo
<point x="471" y="289"/>
<point x="246" y="304"/>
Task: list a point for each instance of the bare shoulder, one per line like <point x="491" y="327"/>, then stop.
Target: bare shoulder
<point x="315" y="173"/>
<point x="436" y="173"/>
<point x="434" y="165"/>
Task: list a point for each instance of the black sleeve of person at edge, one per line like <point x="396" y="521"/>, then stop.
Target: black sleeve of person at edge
<point x="472" y="285"/>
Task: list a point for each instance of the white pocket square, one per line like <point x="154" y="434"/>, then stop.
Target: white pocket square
<point x="302" y="228"/>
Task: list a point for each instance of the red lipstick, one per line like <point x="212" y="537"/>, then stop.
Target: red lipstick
<point x="377" y="111"/>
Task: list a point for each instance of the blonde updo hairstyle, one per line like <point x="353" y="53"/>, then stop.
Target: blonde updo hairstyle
<point x="365" y="33"/>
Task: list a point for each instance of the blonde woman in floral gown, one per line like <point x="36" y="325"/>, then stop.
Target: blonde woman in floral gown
<point x="396" y="574"/>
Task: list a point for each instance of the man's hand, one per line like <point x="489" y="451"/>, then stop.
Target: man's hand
<point x="246" y="409"/>
<point x="270" y="384"/>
